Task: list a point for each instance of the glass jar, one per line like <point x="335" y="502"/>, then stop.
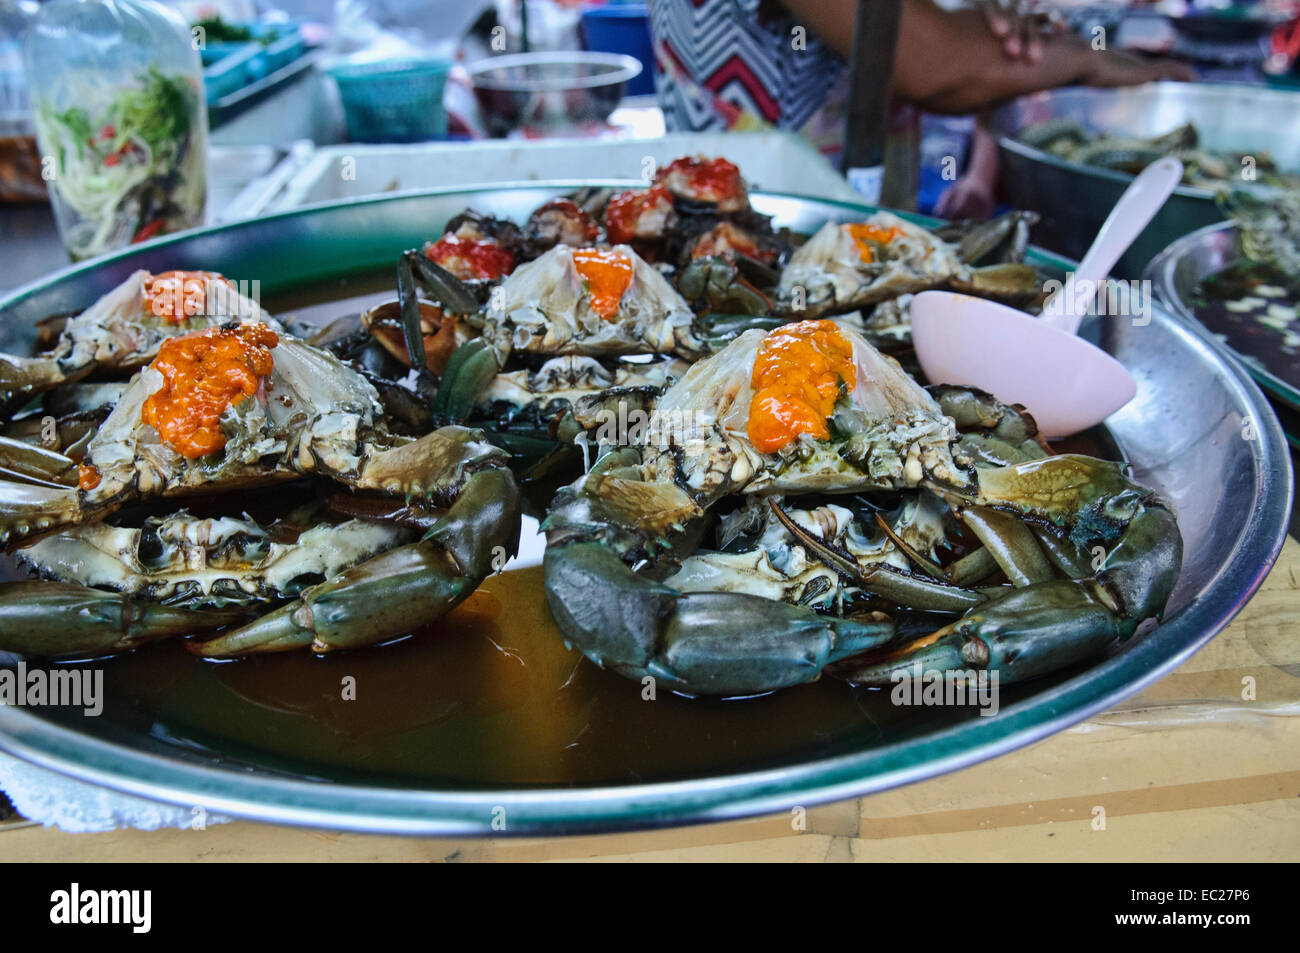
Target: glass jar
<point x="116" y="91"/>
<point x="20" y="160"/>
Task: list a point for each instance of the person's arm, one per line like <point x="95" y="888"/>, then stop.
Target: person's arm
<point x="953" y="63"/>
<point x="972" y="195"/>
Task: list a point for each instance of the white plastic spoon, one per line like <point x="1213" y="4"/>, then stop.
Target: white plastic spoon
<point x="1066" y="383"/>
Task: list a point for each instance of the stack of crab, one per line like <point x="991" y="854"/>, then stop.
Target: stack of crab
<point x="225" y="400"/>
<point x="787" y="500"/>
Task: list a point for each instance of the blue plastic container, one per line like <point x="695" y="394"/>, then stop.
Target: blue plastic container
<point x="394" y="100"/>
<point x="230" y="73"/>
<point x="216" y="52"/>
<point x="623" y="28"/>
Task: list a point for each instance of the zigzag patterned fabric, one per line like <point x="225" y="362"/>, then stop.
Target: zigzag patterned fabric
<point x="735" y="64"/>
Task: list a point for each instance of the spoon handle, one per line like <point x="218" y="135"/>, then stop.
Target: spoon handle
<point x="1131" y="214"/>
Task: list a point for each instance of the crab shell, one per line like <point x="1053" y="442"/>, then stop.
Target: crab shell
<point x="312" y="412"/>
<point x="830" y="270"/>
<point x="207" y="562"/>
<point x="545" y="308"/>
<point x="120" y="329"/>
<point x="893" y="433"/>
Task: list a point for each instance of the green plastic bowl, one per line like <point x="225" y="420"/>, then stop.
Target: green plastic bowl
<point x="393" y="100"/>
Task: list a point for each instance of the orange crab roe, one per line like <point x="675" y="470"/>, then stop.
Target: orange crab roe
<point x="204" y="373"/>
<point x="87" y="477"/>
<point x="796" y="381"/>
<point x="176" y="296"/>
<point x="608" y="274"/>
<point x="865" y="233"/>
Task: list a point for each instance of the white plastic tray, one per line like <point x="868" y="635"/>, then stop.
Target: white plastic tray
<point x="773" y="161"/>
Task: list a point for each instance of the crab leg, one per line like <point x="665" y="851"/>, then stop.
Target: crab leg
<point x="885" y="581"/>
<point x="1047" y="625"/>
<point x="30" y="463"/>
<point x="972" y="567"/>
<point x="469" y="371"/>
<point x="58" y="620"/>
<point x="1010" y="543"/>
<point x="29" y="374"/>
<point x="710" y="643"/>
<point x="399" y="591"/>
<point x="27" y="510"/>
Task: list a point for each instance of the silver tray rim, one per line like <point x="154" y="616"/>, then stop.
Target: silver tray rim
<point x="272" y="797"/>
<point x="1161" y="271"/>
<point x="1006" y="135"/>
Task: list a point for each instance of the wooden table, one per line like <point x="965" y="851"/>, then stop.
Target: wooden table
<point x="1188" y="770"/>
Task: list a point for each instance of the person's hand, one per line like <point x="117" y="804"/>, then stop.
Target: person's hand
<point x="1113" y="68"/>
<point x="969" y="197"/>
<point x="1020" y="28"/>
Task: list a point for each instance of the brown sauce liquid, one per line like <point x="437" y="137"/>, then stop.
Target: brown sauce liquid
<point x="486" y="696"/>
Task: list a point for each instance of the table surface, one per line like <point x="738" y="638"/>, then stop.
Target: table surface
<point x="1192" y="769"/>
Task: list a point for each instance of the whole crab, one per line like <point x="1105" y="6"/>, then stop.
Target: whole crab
<point x="242" y="406"/>
<point x="849" y="266"/>
<point x="949" y="507"/>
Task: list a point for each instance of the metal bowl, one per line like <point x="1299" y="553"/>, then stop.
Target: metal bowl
<point x="1075" y="199"/>
<point x="1234" y="22"/>
<point x="550" y="92"/>
<point x="1176" y="274"/>
<point x="1182" y="433"/>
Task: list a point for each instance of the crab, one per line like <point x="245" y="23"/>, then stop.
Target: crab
<point x="122" y="330"/>
<point x="215" y="561"/>
<point x="848" y="266"/>
<point x="979" y="526"/>
<point x="477" y="248"/>
<point x="1202" y="168"/>
<point x="242" y="406"/>
<point x="560" y="222"/>
<point x="694" y="207"/>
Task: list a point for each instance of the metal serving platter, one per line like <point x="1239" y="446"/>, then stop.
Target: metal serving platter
<point x="1183" y="433"/>
<point x="1074" y="199"/>
<point x="1176" y="274"/>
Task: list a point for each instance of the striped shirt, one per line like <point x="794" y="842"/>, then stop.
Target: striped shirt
<point x="746" y="64"/>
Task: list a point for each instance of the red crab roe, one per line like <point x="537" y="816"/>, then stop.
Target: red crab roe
<point x="705" y="180"/>
<point x="608" y="275"/>
<point x="176" y="296"/>
<point x="204" y="373"/>
<point x="796" y="381"/>
<point x="471" y="259"/>
<point x="623" y="211"/>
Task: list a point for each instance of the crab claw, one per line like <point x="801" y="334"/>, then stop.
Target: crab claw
<point x="468" y="372"/>
<point x="1027" y="632"/>
<point x="57" y="620"/>
<point x="399" y="591"/>
<point x="700" y="643"/>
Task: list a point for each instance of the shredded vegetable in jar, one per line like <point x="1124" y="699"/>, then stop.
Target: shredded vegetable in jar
<point x="117" y="99"/>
